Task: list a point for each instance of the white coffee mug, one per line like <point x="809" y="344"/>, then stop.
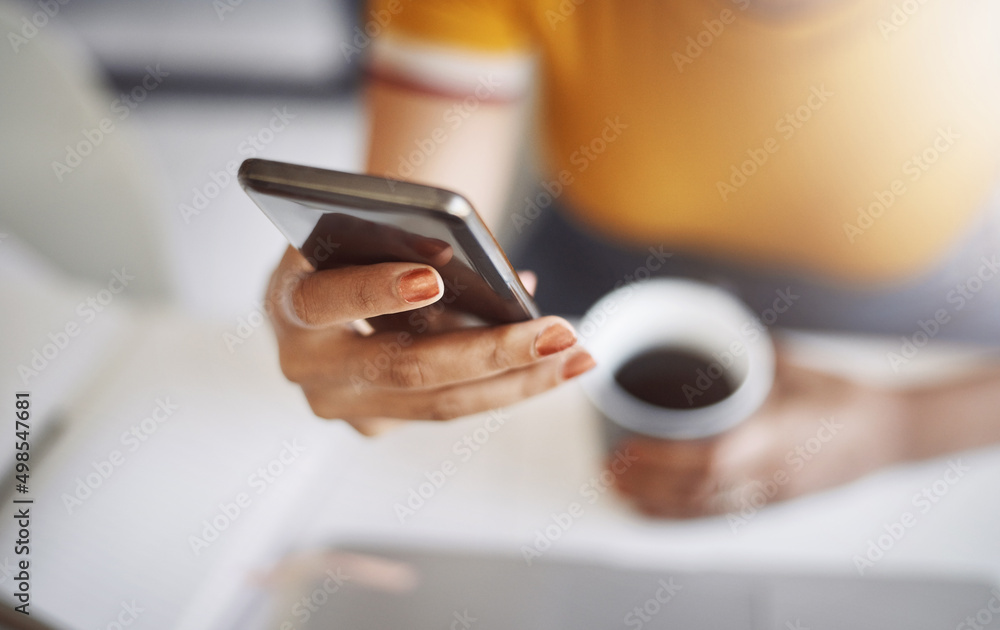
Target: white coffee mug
<point x="682" y="315"/>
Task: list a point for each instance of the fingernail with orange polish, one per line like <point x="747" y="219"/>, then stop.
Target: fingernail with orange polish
<point x="578" y="364"/>
<point x="418" y="285"/>
<point x="553" y="339"/>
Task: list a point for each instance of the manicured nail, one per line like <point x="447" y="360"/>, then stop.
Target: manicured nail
<point x="418" y="285"/>
<point x="553" y="339"/>
<point x="578" y="364"/>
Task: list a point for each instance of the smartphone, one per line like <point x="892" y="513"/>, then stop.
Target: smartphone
<point x="337" y="219"/>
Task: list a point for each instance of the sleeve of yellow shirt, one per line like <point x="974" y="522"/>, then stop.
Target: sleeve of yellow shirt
<point x="455" y="48"/>
<point x="477" y="25"/>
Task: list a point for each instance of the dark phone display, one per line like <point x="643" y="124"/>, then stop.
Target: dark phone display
<point x="331" y="237"/>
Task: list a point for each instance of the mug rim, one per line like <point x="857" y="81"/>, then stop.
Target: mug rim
<point x="719" y="308"/>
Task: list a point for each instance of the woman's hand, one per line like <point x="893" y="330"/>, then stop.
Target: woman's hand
<point x="813" y="432"/>
<point x="365" y="377"/>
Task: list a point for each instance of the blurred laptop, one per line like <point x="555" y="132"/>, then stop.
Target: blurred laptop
<point x="425" y="588"/>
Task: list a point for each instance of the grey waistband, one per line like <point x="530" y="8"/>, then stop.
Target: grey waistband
<point x="957" y="300"/>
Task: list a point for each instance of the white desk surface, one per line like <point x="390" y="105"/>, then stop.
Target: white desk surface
<point x="131" y="539"/>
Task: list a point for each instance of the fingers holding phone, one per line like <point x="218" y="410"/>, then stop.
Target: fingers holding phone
<point x="398" y="373"/>
<point x="450" y="327"/>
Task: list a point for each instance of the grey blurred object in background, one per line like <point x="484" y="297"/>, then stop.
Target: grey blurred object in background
<point x="87" y="212"/>
<point x="260" y="44"/>
<point x="107" y="202"/>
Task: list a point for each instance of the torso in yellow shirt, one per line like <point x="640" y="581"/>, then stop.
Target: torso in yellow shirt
<point x="854" y="139"/>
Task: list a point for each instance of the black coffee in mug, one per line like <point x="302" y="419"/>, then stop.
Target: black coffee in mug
<point x="674" y="361"/>
<point x="674" y="378"/>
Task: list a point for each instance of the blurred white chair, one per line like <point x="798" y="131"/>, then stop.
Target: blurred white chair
<point x="93" y="218"/>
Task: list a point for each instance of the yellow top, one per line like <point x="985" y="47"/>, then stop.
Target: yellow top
<point x="753" y="133"/>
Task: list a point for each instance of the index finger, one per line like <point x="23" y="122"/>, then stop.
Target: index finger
<point x="339" y="296"/>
